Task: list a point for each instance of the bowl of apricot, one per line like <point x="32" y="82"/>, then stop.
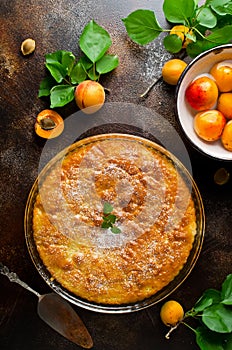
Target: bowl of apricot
<point x="204" y="102"/>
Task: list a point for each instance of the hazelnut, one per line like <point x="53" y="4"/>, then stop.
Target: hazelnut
<point x="221" y="176"/>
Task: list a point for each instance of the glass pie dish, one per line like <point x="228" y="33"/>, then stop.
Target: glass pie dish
<point x="133" y="178"/>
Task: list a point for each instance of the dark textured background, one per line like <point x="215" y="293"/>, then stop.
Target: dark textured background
<point x="57" y="25"/>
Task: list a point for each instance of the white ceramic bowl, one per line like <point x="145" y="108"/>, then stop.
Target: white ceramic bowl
<point x="200" y="65"/>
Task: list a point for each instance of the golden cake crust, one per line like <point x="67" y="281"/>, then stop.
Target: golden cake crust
<point x="154" y="209"/>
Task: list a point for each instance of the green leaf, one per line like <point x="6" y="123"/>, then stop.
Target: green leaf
<point x="86" y="63"/>
<point x="57" y="71"/>
<point x="178" y="11"/>
<point x="194" y="49"/>
<point x="142" y="26"/>
<point x="218" y="37"/>
<point x="109" y="219"/>
<point x="172" y="43"/>
<point x="65" y="58"/>
<point x="45" y="86"/>
<point x="208" y="298"/>
<point x="78" y="74"/>
<point x="115" y="229"/>
<point x="54" y="57"/>
<point x="94" y="41"/>
<point x="222" y="21"/>
<point x="222" y="35"/>
<point x="221" y="7"/>
<point x="106" y="224"/>
<point x="206" y="18"/>
<point x="208" y="340"/>
<point x="107" y="63"/>
<point x="107" y="208"/>
<point x="92" y="74"/>
<point x="227" y="290"/>
<point x="67" y="61"/>
<point x="112" y="218"/>
<point x="191" y="36"/>
<point x="61" y="95"/>
<point x="218" y="318"/>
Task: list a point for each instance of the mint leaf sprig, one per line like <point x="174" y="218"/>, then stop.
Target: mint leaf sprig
<point x="214" y="312"/>
<point x="109" y="219"/>
<point x="66" y="71"/>
<point x="207" y="25"/>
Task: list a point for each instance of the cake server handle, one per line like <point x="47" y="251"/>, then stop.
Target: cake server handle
<point x="13" y="277"/>
<point x="57" y="313"/>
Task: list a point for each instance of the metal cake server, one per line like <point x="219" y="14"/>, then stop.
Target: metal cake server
<point x="57" y="313"/>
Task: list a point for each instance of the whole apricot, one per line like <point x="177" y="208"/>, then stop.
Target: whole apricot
<point x="181" y="32"/>
<point x="89" y="96"/>
<point x="171" y="313"/>
<point x="209" y="124"/>
<point x="225" y="104"/>
<point x="202" y="93"/>
<point x="172" y="70"/>
<point x="227" y="136"/>
<point x="222" y="73"/>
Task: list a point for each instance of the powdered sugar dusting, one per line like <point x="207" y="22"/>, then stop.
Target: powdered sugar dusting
<point x="156" y="56"/>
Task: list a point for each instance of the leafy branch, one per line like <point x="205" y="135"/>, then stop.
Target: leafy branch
<point x="214" y="312"/>
<point x="214" y="15"/>
<point x="66" y="71"/>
